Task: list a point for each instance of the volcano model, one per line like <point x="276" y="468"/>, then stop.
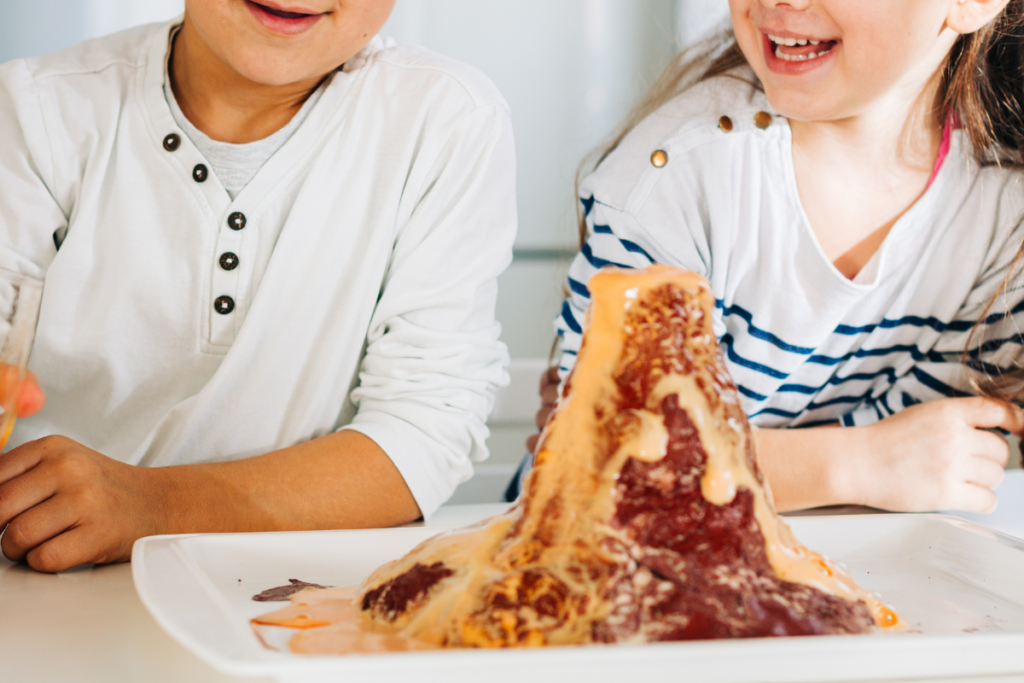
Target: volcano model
<point x="645" y="517"/>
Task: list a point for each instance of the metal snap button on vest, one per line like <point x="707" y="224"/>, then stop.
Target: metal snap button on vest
<point x="224" y="304"/>
<point x="725" y="123"/>
<point x="762" y="119"/>
<point x="659" y="158"/>
<point x="228" y="261"/>
<point x="172" y="141"/>
<point x="200" y="173"/>
<point x="236" y="221"/>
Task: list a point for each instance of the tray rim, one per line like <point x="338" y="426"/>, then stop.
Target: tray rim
<point x="822" y="648"/>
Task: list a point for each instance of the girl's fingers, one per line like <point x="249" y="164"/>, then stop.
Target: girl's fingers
<point x="36" y="526"/>
<point x="985" y="473"/>
<point x="986" y="413"/>
<point x="991" y="447"/>
<point x="542" y="416"/>
<point x="23" y="493"/>
<point x="549" y="387"/>
<point x="970" y="498"/>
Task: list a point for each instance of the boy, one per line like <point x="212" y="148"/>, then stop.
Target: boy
<point x="270" y="245"/>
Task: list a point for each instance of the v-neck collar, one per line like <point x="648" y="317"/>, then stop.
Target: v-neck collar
<point x="895" y="248"/>
<point x="275" y="174"/>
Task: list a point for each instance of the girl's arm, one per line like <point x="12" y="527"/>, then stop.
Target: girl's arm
<point x="932" y="456"/>
<point x="921" y="443"/>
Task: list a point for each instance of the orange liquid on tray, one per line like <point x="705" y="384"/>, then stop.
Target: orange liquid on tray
<point x="327" y="621"/>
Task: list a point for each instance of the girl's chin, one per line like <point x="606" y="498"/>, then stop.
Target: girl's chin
<point x="799" y="107"/>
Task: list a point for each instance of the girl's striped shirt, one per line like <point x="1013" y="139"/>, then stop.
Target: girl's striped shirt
<point x="804" y="344"/>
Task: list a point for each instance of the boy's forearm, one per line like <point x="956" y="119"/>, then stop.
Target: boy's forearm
<point x="342" y="480"/>
<point x="809" y="468"/>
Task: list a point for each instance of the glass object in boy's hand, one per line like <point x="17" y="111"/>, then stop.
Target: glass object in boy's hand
<point x="20" y="296"/>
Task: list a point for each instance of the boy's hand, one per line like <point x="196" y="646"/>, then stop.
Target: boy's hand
<point x="935" y="456"/>
<point x="548" y="398"/>
<point x="64" y="505"/>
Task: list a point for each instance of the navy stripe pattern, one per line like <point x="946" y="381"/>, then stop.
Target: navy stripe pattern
<point x="852" y="372"/>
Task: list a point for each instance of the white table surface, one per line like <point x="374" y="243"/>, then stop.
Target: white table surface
<point x="88" y="625"/>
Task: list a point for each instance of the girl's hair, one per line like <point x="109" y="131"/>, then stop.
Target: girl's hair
<point x="983" y="88"/>
<point x="982" y="91"/>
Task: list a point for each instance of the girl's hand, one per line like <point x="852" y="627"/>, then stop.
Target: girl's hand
<point x="934" y="456"/>
<point x="64" y="505"/>
<point x="549" y="382"/>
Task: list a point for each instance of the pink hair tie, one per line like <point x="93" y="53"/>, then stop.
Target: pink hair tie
<point x="947" y="134"/>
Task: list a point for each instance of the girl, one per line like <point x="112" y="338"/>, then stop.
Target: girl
<point x="270" y="244"/>
<point x="845" y="173"/>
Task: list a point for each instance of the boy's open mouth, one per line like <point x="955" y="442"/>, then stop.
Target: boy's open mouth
<point x="799" y="49"/>
<point x="281" y="13"/>
<point x="291" y="21"/>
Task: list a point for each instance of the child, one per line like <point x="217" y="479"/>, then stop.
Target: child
<point x="270" y="244"/>
<point x="846" y="176"/>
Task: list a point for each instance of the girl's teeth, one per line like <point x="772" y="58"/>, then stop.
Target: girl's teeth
<point x="798" y="58"/>
<point x="790" y="42"/>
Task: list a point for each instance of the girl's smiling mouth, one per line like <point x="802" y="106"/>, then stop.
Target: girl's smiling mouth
<point x="277" y="19"/>
<point x="789" y="54"/>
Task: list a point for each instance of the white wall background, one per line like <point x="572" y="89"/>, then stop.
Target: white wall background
<point x="34" y="27"/>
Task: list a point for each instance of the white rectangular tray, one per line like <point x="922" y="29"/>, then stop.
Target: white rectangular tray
<point x="960" y="586"/>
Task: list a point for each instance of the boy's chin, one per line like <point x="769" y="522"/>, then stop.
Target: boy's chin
<point x="281" y="73"/>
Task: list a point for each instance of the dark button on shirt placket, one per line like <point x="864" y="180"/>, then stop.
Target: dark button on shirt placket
<point x="229" y="261"/>
<point x="236" y="221"/>
<point x="172" y="142"/>
<point x="224" y="304"/>
<point x="200" y="173"/>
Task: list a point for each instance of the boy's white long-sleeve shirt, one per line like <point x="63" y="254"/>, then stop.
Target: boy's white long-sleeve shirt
<point x="803" y="343"/>
<point x="365" y="287"/>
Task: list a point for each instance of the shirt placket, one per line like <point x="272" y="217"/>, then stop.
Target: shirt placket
<point x="221" y="307"/>
<point x="225" y="291"/>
